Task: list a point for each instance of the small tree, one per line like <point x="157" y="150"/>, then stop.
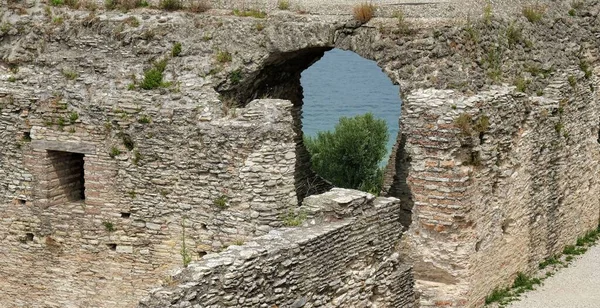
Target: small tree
<point x="349" y="156"/>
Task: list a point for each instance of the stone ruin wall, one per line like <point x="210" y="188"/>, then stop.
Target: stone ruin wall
<point x="344" y="257"/>
<point x="470" y="199"/>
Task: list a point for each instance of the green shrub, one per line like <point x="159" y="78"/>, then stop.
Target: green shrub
<point x="349" y="156"/>
<point x="176" y="50"/>
<point x="549" y="261"/>
<point x="497" y="295"/>
<point x="572" y="250"/>
<point x="57" y="2"/>
<point x="525" y="282"/>
<point x="153" y="77"/>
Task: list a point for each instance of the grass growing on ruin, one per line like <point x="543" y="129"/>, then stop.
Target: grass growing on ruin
<point x="403" y="25"/>
<point x="364" y="12"/>
<point x="144" y="119"/>
<point x="176" y="50"/>
<point x="170" y="5"/>
<point x="249" y="13"/>
<point x="293" y="219"/>
<point x="283" y="4"/>
<point x="109" y="226"/>
<point x="73" y="117"/>
<point x="464" y="123"/>
<point x="521" y="84"/>
<point x="221" y="202"/>
<point x="69" y="74"/>
<point x="575" y="6"/>
<point x="488" y="13"/>
<point x="114" y="152"/>
<point x="585" y="68"/>
<point x="185" y="254"/>
<point x="223" y="56"/>
<point x="125" y="4"/>
<point x="572" y="80"/>
<point x="199" y="6"/>
<point x="534" y="13"/>
<point x="136" y="157"/>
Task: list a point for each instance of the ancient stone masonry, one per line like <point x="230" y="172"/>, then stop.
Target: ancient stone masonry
<point x="104" y="173"/>
<point x="342" y="259"/>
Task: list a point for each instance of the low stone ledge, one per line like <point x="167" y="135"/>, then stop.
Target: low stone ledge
<point x="339" y="263"/>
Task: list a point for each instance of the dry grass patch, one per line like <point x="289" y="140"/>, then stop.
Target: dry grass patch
<point x="364" y="12"/>
<point x="534" y="13"/>
<point x="199" y="6"/>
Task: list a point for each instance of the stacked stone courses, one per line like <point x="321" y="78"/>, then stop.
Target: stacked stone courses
<point x="103" y="183"/>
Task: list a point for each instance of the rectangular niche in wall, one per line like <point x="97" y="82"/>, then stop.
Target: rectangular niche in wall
<point x="66" y="182"/>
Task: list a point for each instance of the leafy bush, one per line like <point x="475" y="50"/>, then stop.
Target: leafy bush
<point x="364" y="12"/>
<point x="349" y="156"/>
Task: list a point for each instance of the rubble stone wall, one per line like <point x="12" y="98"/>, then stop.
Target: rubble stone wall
<point x="338" y="259"/>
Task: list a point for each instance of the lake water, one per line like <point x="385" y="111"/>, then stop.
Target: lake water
<point x="344" y="84"/>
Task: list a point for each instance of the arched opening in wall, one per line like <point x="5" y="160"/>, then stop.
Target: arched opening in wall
<point x="279" y="77"/>
<point x="343" y="84"/>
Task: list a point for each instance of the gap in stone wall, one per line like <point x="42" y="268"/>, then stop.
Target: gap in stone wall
<point x="280" y="78"/>
<point x="66" y="181"/>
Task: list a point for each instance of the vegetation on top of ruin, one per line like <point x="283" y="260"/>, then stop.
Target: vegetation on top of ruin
<point x="349" y="157"/>
<point x="363" y="12"/>
<point x="283" y="4"/>
<point x="256" y="13"/>
<point x="534" y="12"/>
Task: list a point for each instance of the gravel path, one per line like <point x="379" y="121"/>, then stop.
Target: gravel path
<point x="577" y="286"/>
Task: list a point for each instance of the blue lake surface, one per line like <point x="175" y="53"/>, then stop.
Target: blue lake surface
<point x="344" y="84"/>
